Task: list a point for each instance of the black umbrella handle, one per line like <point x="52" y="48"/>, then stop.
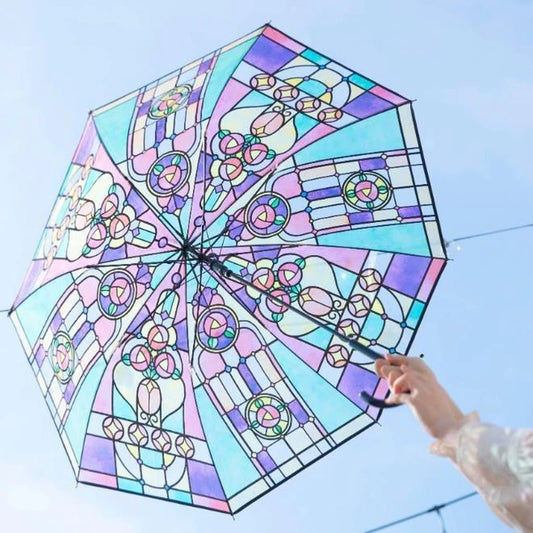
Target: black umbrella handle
<point x="376" y="402"/>
<point x="380" y="404"/>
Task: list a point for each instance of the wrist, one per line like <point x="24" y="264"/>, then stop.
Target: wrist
<point x="447" y="425"/>
<point x="446" y="446"/>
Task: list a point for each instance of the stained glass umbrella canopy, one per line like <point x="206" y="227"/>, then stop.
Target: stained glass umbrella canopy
<point x="219" y="235"/>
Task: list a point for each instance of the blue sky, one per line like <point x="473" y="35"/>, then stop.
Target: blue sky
<point x="467" y="64"/>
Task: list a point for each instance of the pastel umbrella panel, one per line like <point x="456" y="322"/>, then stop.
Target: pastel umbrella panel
<point x="163" y="376"/>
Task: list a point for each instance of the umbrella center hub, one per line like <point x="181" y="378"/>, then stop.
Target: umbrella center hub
<point x="206" y="257"/>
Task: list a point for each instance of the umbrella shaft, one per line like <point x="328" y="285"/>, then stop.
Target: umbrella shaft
<point x="214" y="262"/>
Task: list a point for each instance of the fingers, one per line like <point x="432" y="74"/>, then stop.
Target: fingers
<point x="401" y="385"/>
<point x="404" y="376"/>
<point x="391" y="374"/>
<point x="383" y="369"/>
<point x="390" y="370"/>
<point x="413" y="363"/>
<point x="382" y="366"/>
<point x="395" y="359"/>
<point x="378" y="367"/>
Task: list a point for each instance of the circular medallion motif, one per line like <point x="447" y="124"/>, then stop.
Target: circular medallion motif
<point x="308" y="104"/>
<point x="50" y="257"/>
<point x="337" y="356"/>
<point x="231" y="170"/>
<point x="119" y="226"/>
<point x="164" y="365"/>
<point x="138" y="434"/>
<point x="255" y="154"/>
<point x="161" y="440"/>
<point x="170" y="102"/>
<point x="168" y="173"/>
<point x="116" y="293"/>
<point x="370" y="280"/>
<point x="289" y="274"/>
<point x="267" y="215"/>
<point x="232" y="143"/>
<point x="158" y="337"/>
<point x="366" y="191"/>
<point x="349" y="327"/>
<point x="268" y="416"/>
<point x="110" y="206"/>
<point x="113" y="428"/>
<point x="75" y="195"/>
<point x="184" y="446"/>
<point x="281" y="303"/>
<point x="263" y="82"/>
<point x="139" y="357"/>
<point x="97" y="237"/>
<point x="359" y="305"/>
<point x="286" y="93"/>
<point x="62" y="357"/>
<point x="60" y="231"/>
<point x="330" y="114"/>
<point x="263" y="278"/>
<point x="217" y="328"/>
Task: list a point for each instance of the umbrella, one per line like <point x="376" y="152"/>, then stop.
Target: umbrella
<point x="228" y="246"/>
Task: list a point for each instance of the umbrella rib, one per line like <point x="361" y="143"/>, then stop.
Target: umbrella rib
<point x="215" y="238"/>
<point x="203" y="226"/>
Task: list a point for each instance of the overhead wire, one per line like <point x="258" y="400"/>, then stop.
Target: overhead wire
<point x="486" y="234"/>
<point x="435" y="509"/>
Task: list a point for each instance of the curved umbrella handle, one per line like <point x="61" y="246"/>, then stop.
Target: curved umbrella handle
<point x="381" y="404"/>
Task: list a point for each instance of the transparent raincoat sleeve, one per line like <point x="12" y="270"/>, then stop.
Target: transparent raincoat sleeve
<point x="499" y="462"/>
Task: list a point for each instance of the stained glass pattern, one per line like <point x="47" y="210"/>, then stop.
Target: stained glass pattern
<point x="168" y="379"/>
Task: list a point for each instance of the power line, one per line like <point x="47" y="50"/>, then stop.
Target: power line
<point x="434" y="509"/>
<point x="486" y="234"/>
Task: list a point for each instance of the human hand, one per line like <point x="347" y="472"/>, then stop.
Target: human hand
<point x="412" y="382"/>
